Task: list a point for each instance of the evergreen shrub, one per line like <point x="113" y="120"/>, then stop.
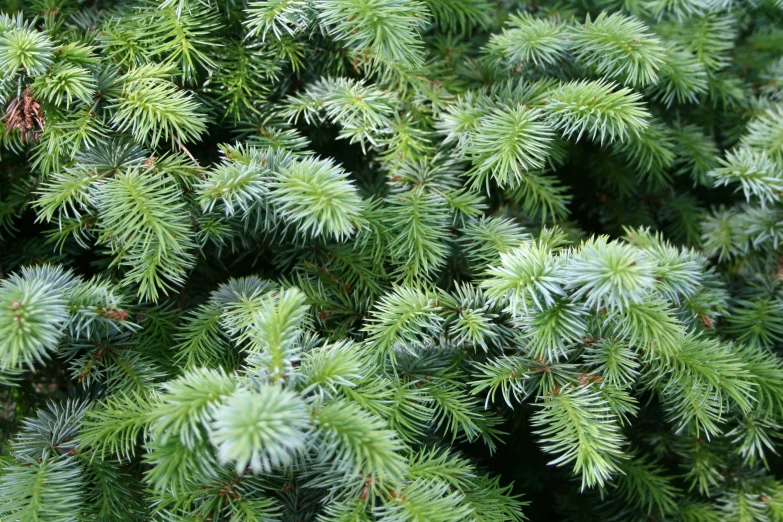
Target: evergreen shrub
<point x="391" y="260"/>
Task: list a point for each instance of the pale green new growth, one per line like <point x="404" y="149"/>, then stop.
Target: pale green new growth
<point x="578" y="424"/>
<point x="597" y="109"/>
<point x="619" y="46"/>
<point x="505" y="144"/>
<point x="263" y="429"/>
<point x="316" y="196"/>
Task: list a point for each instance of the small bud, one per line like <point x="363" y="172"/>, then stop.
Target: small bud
<point x="116" y="314"/>
<point x="149" y="163"/>
<point x="706" y="321"/>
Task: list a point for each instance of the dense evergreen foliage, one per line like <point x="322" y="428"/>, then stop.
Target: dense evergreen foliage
<point x="393" y="260"/>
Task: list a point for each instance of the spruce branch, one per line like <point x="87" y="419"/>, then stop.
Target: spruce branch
<point x="619" y="47"/>
<point x="577" y="424"/>
<point x="596" y="108"/>
<point x="22" y="47"/>
<point x="262" y="429"/>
